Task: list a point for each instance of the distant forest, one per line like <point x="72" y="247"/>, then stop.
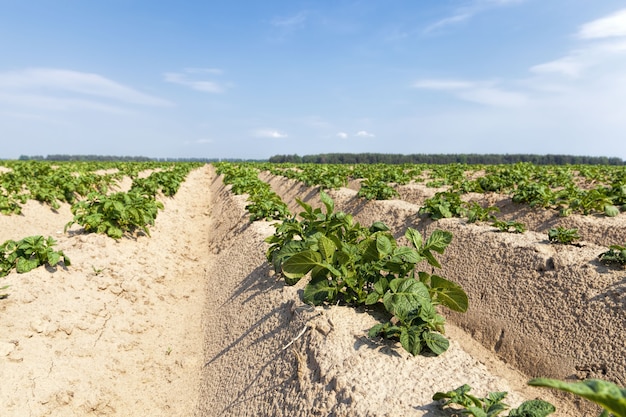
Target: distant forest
<point x="363" y="158"/>
<point x="113" y="158"/>
<point x="487" y="159"/>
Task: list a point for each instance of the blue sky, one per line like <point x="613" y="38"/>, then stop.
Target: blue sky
<point x="251" y="79"/>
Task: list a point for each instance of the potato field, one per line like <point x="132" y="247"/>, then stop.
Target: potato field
<point x="258" y="289"/>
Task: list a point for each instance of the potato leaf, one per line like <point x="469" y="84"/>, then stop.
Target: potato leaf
<point x="449" y="294"/>
<point x="606" y="394"/>
<point x="405" y="295"/>
<point x="301" y="263"/>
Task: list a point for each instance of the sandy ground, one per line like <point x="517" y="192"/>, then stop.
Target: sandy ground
<point x="192" y="322"/>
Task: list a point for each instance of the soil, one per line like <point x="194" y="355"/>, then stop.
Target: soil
<point x="191" y="321"/>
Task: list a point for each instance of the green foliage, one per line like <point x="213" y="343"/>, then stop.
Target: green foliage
<point x="492" y="405"/>
<point x="444" y="204"/>
<point x="509" y="226"/>
<point x="606" y="394"/>
<point x="475" y="212"/>
<point x="372" y="189"/>
<point x="562" y="235"/>
<point x="29" y="253"/>
<point x="8" y="205"/>
<point x="116" y="214"/>
<point x="616" y="255"/>
<point x="354" y="265"/>
<point x="263" y="202"/>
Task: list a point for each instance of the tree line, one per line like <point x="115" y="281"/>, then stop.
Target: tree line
<point x="486" y="159"/>
<point x="116" y="158"/>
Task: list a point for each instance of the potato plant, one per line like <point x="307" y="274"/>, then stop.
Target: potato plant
<point x="116" y="214"/>
<point x="492" y="405"/>
<point x="562" y="235"/>
<point x="509" y="226"/>
<point x="355" y="265"/>
<point x="29" y="253"/>
<point x="616" y="255"/>
<point x="606" y="394"/>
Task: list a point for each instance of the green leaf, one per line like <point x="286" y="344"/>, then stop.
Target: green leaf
<point x="438" y="241"/>
<point x="430" y="258"/>
<point x="372" y="298"/>
<point x="383" y="245"/>
<point x="378" y="227"/>
<point x="25" y="265"/>
<point x="414" y="237"/>
<point x="407" y="254"/>
<point x="611" y="210"/>
<point x="449" y="294"/>
<point x="606" y="394"/>
<point x="301" y="263"/>
<point x="476" y="411"/>
<point x="436" y="342"/>
<point x="328" y="202"/>
<point x="533" y="408"/>
<point x="327" y="247"/>
<point x="405" y="295"/>
<point x="318" y="290"/>
<point x="376" y="330"/>
<point x="410" y="339"/>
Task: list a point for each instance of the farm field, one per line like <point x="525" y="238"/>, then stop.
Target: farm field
<point x="192" y="320"/>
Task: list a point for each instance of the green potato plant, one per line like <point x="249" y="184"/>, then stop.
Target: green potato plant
<point x="562" y="235"/>
<point x="116" y="214"/>
<point x="355" y="265"/>
<point x="606" y="394"/>
<point x="492" y="405"/>
<point x="616" y="255"/>
<point x="509" y="226"/>
<point x="29" y="253"/>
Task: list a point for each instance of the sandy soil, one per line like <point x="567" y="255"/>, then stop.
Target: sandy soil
<point x="192" y="322"/>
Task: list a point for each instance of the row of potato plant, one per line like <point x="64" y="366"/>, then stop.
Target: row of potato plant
<point x="52" y="183"/>
<point x="263" y="203"/>
<point x="123" y="213"/>
<point x="569" y="189"/>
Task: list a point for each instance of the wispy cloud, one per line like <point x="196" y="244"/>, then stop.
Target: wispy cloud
<point x="610" y="26"/>
<point x="484" y="92"/>
<point x="604" y="41"/>
<point x="51" y="87"/>
<point x="269" y="134"/>
<point x="291" y="22"/>
<point x="467" y="12"/>
<point x="364" y="134"/>
<point x="342" y="135"/>
<point x="194" y="78"/>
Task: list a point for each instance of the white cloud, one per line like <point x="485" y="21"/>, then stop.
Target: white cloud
<point x="342" y="135"/>
<point x="570" y="66"/>
<point x="364" y="134"/>
<point x="53" y="85"/>
<point x="610" y="26"/>
<point x="269" y="133"/>
<point x="484" y="92"/>
<point x="494" y="97"/>
<point x="185" y="78"/>
<point x="592" y="54"/>
<point x="467" y="12"/>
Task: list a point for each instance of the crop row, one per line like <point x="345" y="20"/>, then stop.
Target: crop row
<point x="580" y="189"/>
<point x="94" y="204"/>
<point x="349" y="264"/>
